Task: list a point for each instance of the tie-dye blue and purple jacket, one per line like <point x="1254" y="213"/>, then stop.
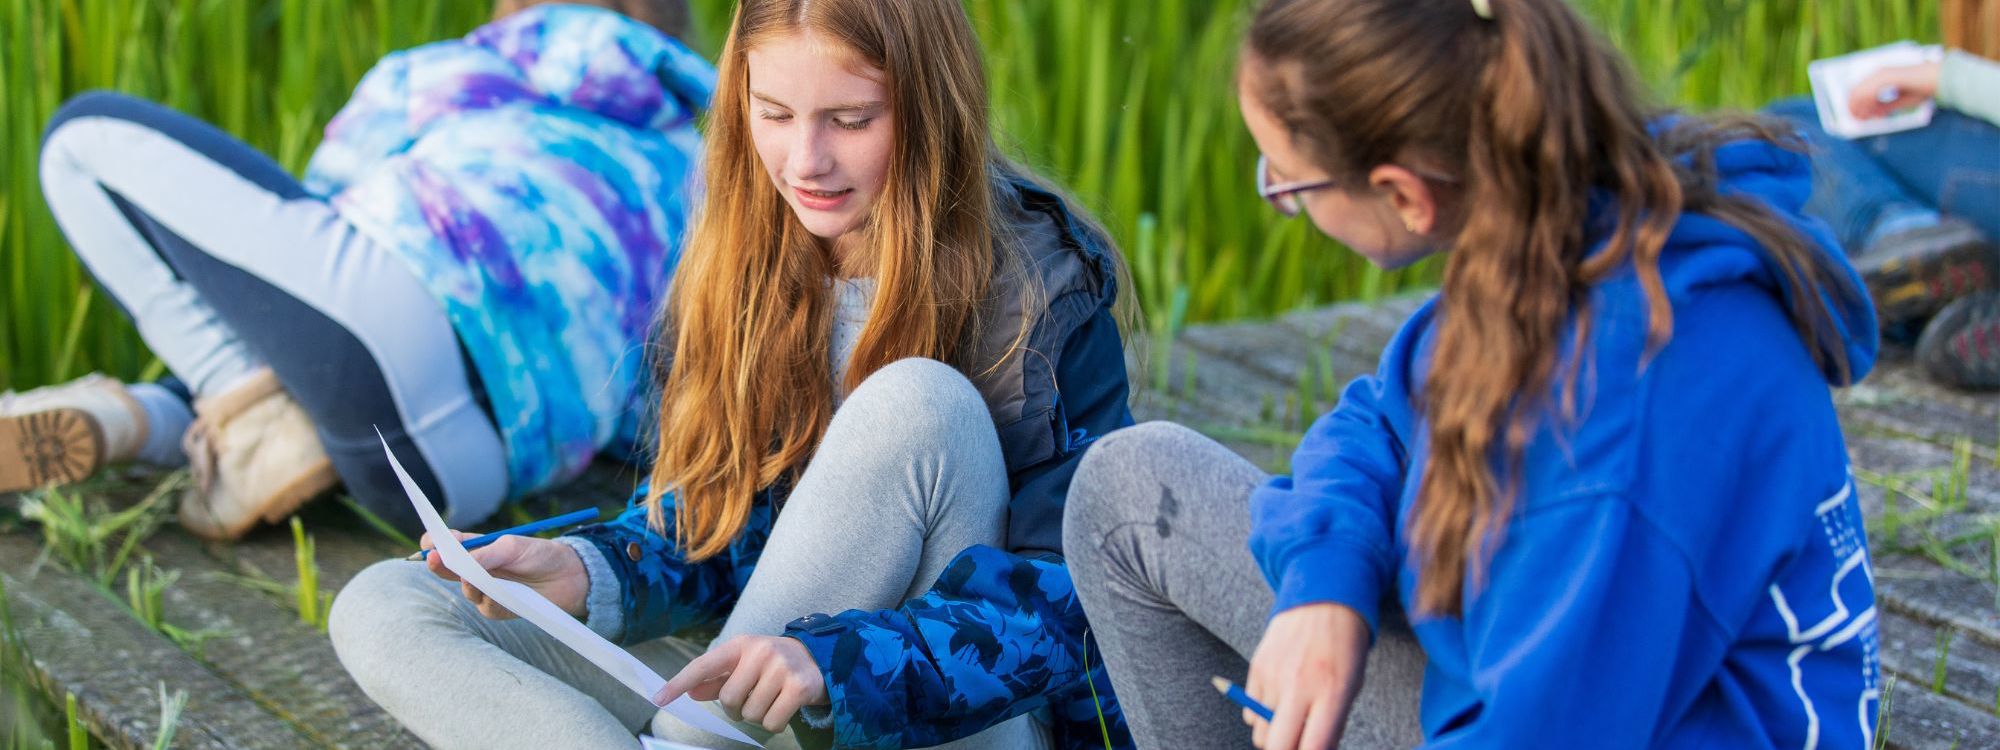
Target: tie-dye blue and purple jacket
<point x="536" y="176"/>
<point x="1001" y="633"/>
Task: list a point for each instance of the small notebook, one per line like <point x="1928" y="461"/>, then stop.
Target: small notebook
<point x="1834" y="79"/>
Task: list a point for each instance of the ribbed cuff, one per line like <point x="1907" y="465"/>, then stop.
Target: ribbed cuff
<point x="817" y="717"/>
<point x="604" y="612"/>
<point x="1332" y="572"/>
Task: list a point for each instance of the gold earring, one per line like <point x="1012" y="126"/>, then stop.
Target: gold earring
<point x="1411" y="225"/>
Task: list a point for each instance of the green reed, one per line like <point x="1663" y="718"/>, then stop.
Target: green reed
<point x="1128" y="103"/>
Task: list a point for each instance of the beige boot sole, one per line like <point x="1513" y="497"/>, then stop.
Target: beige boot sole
<point x="58" y="446"/>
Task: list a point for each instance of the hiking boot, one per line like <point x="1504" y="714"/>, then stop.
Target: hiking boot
<point x="254" y="456"/>
<point x="65" y="433"/>
<point x="1914" y="273"/>
<point x="1961" y="346"/>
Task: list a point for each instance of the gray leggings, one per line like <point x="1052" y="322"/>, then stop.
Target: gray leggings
<point x="900" y="485"/>
<point x="1157" y="536"/>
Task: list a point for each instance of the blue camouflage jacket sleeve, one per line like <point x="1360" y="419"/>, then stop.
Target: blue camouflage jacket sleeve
<point x="1001" y="633"/>
<point x="659" y="591"/>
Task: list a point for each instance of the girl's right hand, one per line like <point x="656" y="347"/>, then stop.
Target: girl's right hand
<point x="551" y="568"/>
<point x="1307" y="670"/>
<point x="1913" y="84"/>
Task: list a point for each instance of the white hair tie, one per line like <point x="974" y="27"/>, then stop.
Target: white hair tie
<point x="1484" y="8"/>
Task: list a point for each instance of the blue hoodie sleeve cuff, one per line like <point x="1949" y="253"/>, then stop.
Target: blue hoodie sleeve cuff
<point x="605" y="612"/>
<point x="1331" y="572"/>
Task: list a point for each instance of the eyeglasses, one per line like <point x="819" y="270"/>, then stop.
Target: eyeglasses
<point x="1285" y="198"/>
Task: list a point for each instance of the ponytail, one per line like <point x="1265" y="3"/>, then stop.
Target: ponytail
<point x="1553" y="118"/>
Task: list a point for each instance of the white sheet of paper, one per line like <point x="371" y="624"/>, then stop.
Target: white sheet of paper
<point x="649" y="742"/>
<point x="1834" y="79"/>
<point x="528" y="605"/>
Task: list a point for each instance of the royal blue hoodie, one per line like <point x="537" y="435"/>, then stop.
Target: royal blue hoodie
<point x="1684" y="565"/>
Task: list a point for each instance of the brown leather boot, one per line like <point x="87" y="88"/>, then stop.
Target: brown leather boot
<point x="254" y="456"/>
<point x="65" y="433"/>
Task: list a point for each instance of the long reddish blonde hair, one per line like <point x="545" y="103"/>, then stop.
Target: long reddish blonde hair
<point x="746" y="394"/>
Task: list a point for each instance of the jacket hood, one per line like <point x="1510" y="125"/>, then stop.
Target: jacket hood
<point x="608" y="65"/>
<point x="1704" y="251"/>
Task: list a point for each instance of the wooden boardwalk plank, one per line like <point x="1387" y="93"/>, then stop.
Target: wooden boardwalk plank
<point x="285" y="665"/>
<point x="1910" y="650"/>
<point x="1899" y="376"/>
<point x="1919" y="588"/>
<point x="1886" y="411"/>
<point x="80" y="641"/>
<point x="1914" y="585"/>
<point x="1921" y="720"/>
<point x="343" y="545"/>
<point x="273" y="681"/>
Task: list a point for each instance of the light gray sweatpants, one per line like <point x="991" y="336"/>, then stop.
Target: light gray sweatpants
<point x="226" y="265"/>
<point x="908" y="475"/>
<point x="1156" y="532"/>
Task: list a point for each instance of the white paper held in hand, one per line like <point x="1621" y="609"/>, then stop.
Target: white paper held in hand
<point x="648" y="742"/>
<point x="1834" y="80"/>
<point x="529" y="605"/>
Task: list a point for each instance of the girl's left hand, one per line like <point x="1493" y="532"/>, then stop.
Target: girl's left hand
<point x="1307" y="670"/>
<point x="759" y="678"/>
<point x="1912" y="85"/>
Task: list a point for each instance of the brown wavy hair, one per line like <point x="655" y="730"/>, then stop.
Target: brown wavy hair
<point x="745" y="395"/>
<point x="1534" y="113"/>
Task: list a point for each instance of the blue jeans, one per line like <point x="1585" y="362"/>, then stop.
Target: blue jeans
<point x="1951" y="167"/>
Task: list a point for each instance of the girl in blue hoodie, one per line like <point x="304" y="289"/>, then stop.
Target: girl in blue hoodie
<point x="1600" y="471"/>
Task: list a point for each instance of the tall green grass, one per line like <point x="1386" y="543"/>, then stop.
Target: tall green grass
<point x="1127" y="102"/>
<point x="269" y="71"/>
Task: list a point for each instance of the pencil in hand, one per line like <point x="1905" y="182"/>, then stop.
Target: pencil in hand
<point x="1231" y="691"/>
<point x="581" y="516"/>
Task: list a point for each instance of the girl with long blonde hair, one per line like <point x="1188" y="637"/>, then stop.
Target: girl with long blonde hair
<point x="884" y="351"/>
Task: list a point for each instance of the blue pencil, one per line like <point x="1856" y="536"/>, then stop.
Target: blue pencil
<point x="1231" y="691"/>
<point x="587" y="514"/>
